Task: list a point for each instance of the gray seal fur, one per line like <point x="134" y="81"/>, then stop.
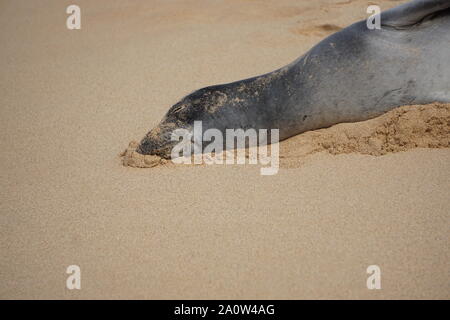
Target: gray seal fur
<point x="353" y="75"/>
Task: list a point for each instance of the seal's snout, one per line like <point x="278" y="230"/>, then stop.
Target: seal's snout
<point x="146" y="147"/>
<point x="158" y="141"/>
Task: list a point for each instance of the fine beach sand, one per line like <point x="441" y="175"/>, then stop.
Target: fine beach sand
<point x="346" y="197"/>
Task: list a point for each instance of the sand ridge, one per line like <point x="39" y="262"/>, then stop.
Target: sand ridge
<point x="401" y="129"/>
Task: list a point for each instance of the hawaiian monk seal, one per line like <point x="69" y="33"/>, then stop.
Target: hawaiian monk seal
<point x="353" y="75"/>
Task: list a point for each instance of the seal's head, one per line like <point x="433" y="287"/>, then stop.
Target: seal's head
<point x="203" y="105"/>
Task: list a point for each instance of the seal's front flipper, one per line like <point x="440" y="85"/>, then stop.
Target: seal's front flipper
<point x="412" y="13"/>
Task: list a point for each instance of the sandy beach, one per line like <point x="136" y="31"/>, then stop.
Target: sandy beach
<point x="72" y="100"/>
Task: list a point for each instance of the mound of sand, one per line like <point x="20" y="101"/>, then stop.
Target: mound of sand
<point x="406" y="127"/>
<point x="401" y="129"/>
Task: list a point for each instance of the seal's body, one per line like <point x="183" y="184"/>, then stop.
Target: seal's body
<point x="353" y="75"/>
